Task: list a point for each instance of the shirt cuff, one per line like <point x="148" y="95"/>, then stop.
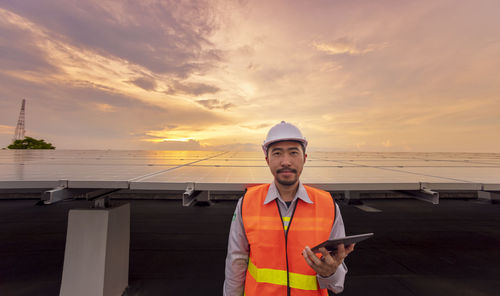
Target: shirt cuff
<point x="335" y="282"/>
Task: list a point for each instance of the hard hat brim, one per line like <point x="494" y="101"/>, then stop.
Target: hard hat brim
<point x="266" y="145"/>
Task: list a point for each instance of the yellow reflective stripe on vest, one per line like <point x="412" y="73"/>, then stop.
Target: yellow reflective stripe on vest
<point x="278" y="277"/>
<point x="286" y="221"/>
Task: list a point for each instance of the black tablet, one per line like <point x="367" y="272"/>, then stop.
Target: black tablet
<point x="331" y="245"/>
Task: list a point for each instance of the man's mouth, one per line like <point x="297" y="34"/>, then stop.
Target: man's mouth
<point x="286" y="171"/>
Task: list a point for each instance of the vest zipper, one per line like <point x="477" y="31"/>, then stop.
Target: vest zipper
<point x="286" y="242"/>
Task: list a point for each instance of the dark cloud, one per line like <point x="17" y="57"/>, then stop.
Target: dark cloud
<point x="168" y="37"/>
<point x="176" y="87"/>
<point x="147" y="83"/>
<point x="214" y="104"/>
<point x="192" y="88"/>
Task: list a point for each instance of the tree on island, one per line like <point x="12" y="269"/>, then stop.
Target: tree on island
<point x="30" y="143"/>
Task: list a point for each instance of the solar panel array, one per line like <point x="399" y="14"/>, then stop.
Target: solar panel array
<point x="231" y="171"/>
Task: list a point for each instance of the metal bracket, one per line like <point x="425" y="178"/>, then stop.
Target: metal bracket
<point x="55" y="195"/>
<point x="425" y="194"/>
<point x="203" y="198"/>
<point x="62" y="192"/>
<point x="100" y="197"/>
<point x="191" y="197"/>
<point x="490" y="196"/>
<point x="101" y="203"/>
<point x="59" y="193"/>
<point x="198" y="198"/>
<point x="188" y="197"/>
<point x="351" y="197"/>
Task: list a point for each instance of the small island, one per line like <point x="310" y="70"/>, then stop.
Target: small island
<point x="30" y="143"/>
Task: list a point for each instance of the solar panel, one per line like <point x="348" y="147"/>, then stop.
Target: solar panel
<point x="233" y="170"/>
<point x="417" y="163"/>
<point x="461" y="174"/>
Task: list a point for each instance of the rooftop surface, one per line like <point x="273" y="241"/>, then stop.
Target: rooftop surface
<point x="418" y="248"/>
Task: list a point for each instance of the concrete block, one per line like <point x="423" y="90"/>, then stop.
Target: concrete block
<point x="96" y="258"/>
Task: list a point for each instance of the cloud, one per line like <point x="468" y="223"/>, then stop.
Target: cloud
<point x="6" y="130"/>
<point x="209" y="136"/>
<point x="215" y="104"/>
<point x="417" y="73"/>
<point x="177" y="133"/>
<point x="345" y="45"/>
<point x="237" y="147"/>
<point x="192" y="144"/>
<point x="51" y="106"/>
<point x="257" y="126"/>
<point x="179" y="145"/>
<point x="163" y="36"/>
<point x="387" y="143"/>
<point x="147" y="83"/>
<point x="191" y="88"/>
<point x="105" y="107"/>
<point x="84" y="67"/>
<point x="360" y="145"/>
<point x="24" y="54"/>
<point x="174" y="86"/>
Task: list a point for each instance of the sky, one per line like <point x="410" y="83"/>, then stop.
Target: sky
<point x="416" y="76"/>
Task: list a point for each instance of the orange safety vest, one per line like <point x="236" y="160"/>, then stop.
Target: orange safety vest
<point x="276" y="265"/>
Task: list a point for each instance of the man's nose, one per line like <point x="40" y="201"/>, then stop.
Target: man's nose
<point x="286" y="160"/>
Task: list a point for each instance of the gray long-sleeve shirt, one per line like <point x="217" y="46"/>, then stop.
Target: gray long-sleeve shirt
<point x="238" y="248"/>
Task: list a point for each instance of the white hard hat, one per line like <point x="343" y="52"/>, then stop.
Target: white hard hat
<point x="283" y="131"/>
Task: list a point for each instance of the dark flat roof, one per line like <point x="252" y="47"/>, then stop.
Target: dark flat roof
<point x="418" y="248"/>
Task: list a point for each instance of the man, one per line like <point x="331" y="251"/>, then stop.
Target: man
<point x="274" y="226"/>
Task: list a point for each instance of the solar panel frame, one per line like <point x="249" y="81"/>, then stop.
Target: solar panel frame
<point x="29" y="184"/>
<point x="490" y="187"/>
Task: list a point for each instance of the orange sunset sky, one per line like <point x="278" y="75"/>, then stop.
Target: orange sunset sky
<point x="353" y="75"/>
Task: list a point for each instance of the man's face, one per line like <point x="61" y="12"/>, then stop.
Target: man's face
<point x="286" y="160"/>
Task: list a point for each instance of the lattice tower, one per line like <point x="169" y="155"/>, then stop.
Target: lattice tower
<point x="19" y="135"/>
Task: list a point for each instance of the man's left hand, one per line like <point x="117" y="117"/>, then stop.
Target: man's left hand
<point x="328" y="264"/>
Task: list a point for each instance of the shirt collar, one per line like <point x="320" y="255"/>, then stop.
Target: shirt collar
<point x="273" y="194"/>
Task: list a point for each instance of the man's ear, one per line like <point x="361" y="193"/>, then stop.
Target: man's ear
<point x="267" y="160"/>
<point x="305" y="157"/>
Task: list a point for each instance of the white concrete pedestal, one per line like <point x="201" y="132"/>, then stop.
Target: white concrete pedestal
<point x="96" y="259"/>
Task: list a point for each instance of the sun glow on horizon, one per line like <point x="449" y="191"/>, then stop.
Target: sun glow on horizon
<point x="169" y="140"/>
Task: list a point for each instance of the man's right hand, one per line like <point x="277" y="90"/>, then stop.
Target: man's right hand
<point x="327" y="265"/>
